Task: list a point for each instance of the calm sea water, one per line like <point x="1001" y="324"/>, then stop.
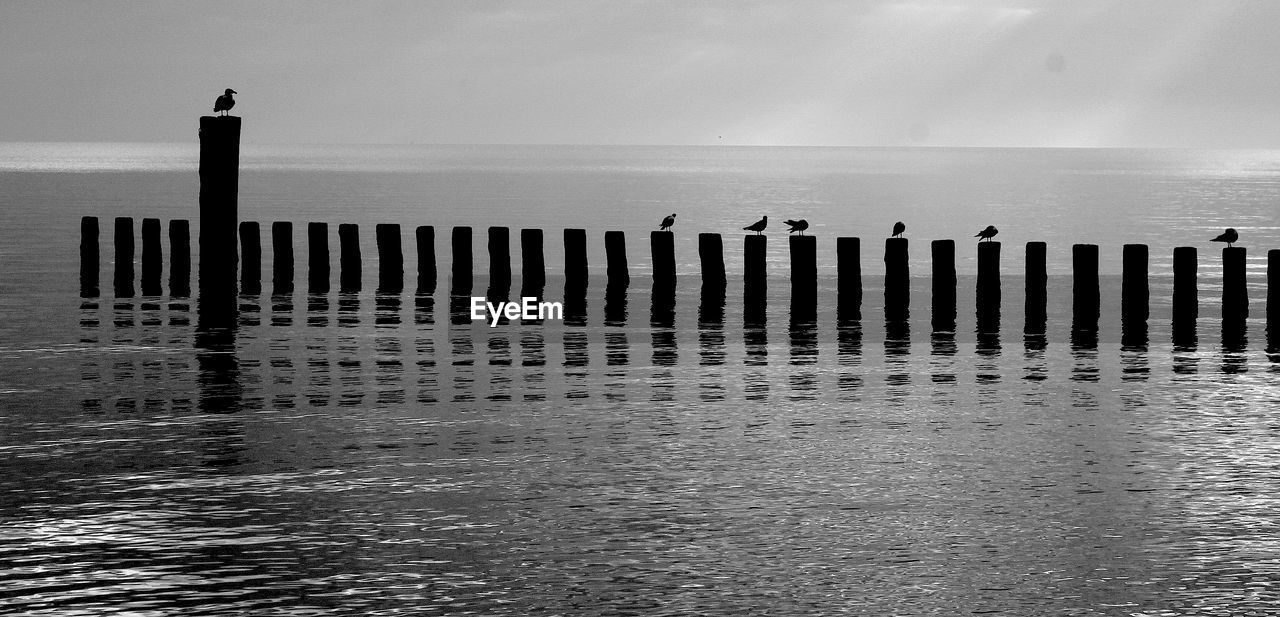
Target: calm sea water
<point x="378" y="454"/>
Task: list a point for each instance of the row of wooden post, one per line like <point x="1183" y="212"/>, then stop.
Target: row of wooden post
<point x="1085" y="289"/>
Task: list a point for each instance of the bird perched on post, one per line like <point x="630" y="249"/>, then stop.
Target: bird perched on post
<point x="987" y="233"/>
<point x="795" y="226"/>
<point x="667" y="223"/>
<point x="759" y="225"/>
<point x="898" y="228"/>
<point x="225" y="102"/>
<point x="1229" y="236"/>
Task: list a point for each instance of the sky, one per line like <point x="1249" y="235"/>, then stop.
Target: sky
<point x="1012" y="73"/>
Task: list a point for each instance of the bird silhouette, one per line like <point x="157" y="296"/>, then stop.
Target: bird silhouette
<point x="225" y="102"/>
<point x="898" y="228"/>
<point x="667" y="223"/>
<point x="759" y="225"/>
<point x="1229" y="236"/>
<point x="987" y="233"/>
<point x="795" y="226"/>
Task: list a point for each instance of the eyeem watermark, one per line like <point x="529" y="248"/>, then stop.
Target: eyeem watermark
<point x="527" y="308"/>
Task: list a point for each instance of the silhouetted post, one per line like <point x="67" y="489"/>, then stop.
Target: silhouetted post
<point x="425" y="237"/>
<point x="804" y="277"/>
<point x="711" y="257"/>
<point x="1134" y="289"/>
<point x="755" y="283"/>
<point x="575" y="258"/>
<point x="944" y="284"/>
<point x="461" y="243"/>
<point x="499" y="258"/>
<point x="89" y="257"/>
<point x="1085" y="300"/>
<point x="1186" y="301"/>
<point x="849" y="279"/>
<point x="390" y="258"/>
<point x="988" y="286"/>
<point x="282" y="258"/>
<point x="897" y="279"/>
<point x="662" y="244"/>
<point x="219" y="187"/>
<point x="533" y="265"/>
<point x="1037" y="297"/>
<point x="1235" y="295"/>
<point x="1273" y="293"/>
<point x="318" y="258"/>
<point x="152" y="260"/>
<point x="250" y="258"/>
<point x="179" y="258"/>
<point x="124" y="257"/>
<point x="350" y="270"/>
<point x="615" y="253"/>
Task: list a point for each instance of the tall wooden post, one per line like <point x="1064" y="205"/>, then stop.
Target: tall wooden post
<point x="461" y="243"/>
<point x="1235" y="293"/>
<point x="179" y="258"/>
<point x="575" y="258"/>
<point x="1135" y="291"/>
<point x="350" y="268"/>
<point x="1085" y="300"/>
<point x="219" y="189"/>
<point x="282" y="258"/>
<point x="615" y="253"/>
<point x="943" y="253"/>
<point x="848" y="279"/>
<point x="425" y="240"/>
<point x="123" y="279"/>
<point x="897" y="280"/>
<point x="754" y="279"/>
<point x="1273" y="294"/>
<point x="390" y="258"/>
<point x="89" y="262"/>
<point x="1036" y="304"/>
<point x="804" y="278"/>
<point x="662" y="246"/>
<point x="499" y="259"/>
<point x="152" y="258"/>
<point x="251" y="258"/>
<point x="318" y="258"/>
<point x="711" y="258"/>
<point x="533" y="265"/>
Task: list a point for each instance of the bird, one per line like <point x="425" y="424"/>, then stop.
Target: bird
<point x="987" y="233"/>
<point x="759" y="225"/>
<point x="1229" y="236"/>
<point x="225" y="102"/>
<point x="799" y="225"/>
<point x="898" y="228"/>
<point x="667" y="223"/>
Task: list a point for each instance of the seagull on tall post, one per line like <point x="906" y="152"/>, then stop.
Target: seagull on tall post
<point x="987" y="233"/>
<point x="898" y="228"/>
<point x="795" y="226"/>
<point x="759" y="225"/>
<point x="667" y="223"/>
<point x="225" y="102"/>
<point x="1229" y="236"/>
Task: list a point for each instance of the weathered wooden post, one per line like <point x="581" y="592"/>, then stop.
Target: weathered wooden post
<point x="89" y="281"/>
<point x="1085" y="300"/>
<point x="1134" y="291"/>
<point x="988" y="285"/>
<point x="575" y="258"/>
<point x="662" y="246"/>
<point x="425" y="238"/>
<point x="179" y="258"/>
<point x="1186" y="301"/>
<point x="1036" y="305"/>
<point x="152" y="259"/>
<point x="282" y="258"/>
<point x="754" y="279"/>
<point x="318" y="258"/>
<point x="350" y="270"/>
<point x="943" y="253"/>
<point x="533" y="266"/>
<point x="390" y="258"/>
<point x="848" y="279"/>
<point x="615" y="253"/>
<point x="219" y="189"/>
<point x="499" y="259"/>
<point x="804" y="278"/>
<point x="1273" y="294"/>
<point x="461" y="243"/>
<point x="250" y="258"/>
<point x="897" y="280"/>
<point x="1235" y="293"/>
<point x="711" y="258"/>
<point x="123" y="278"/>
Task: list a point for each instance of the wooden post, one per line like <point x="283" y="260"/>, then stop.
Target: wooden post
<point x="318" y="258"/>
<point x="804" y="277"/>
<point x="461" y="243"/>
<point x="897" y="279"/>
<point x="533" y="267"/>
<point x="988" y="285"/>
<point x="250" y="258"/>
<point x="152" y="258"/>
<point x="1235" y="294"/>
<point x="615" y="252"/>
<point x="1273" y="294"/>
<point x="350" y="270"/>
<point x="499" y="258"/>
<point x="124" y="257"/>
<point x="1085" y="300"/>
<point x="390" y="259"/>
<point x="282" y="258"/>
<point x="425" y="237"/>
<point x="179" y="258"/>
<point x="219" y="188"/>
<point x="711" y="257"/>
<point x="89" y="266"/>
<point x="1134" y="291"/>
<point x="944" y="285"/>
<point x="755" y="279"/>
<point x="1186" y="301"/>
<point x="849" y="279"/>
<point x="662" y="246"/>
<point x="1036" y="305"/>
<point x="575" y="258"/>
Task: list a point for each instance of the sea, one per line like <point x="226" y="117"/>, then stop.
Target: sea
<point x="381" y="453"/>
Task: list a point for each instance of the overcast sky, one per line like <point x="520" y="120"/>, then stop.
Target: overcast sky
<point x="1167" y="73"/>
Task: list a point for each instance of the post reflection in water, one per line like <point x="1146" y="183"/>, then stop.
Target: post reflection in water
<point x="1235" y="346"/>
<point x="897" y="352"/>
<point x="662" y="315"/>
<point x="1273" y="347"/>
<point x="848" y="357"/>
<point x="616" y="345"/>
<point x="1134" y="362"/>
<point x="533" y="357"/>
<point x="942" y="357"/>
<point x="804" y="353"/>
<point x="755" y="339"/>
<point x="1084" y="349"/>
<point x="987" y="348"/>
<point x="217" y="368"/>
<point x="711" y="340"/>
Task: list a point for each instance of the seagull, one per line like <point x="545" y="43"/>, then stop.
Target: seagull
<point x="225" y="102"/>
<point x="799" y="225"/>
<point x="898" y="228"/>
<point x="667" y="223"/>
<point x="1229" y="236"/>
<point x="987" y="233"/>
<point x="759" y="225"/>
